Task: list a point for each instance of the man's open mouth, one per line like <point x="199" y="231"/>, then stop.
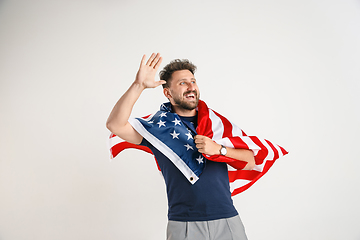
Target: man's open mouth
<point x="190" y="95"/>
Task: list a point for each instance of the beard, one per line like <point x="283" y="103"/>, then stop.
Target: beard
<point x="187" y="105"/>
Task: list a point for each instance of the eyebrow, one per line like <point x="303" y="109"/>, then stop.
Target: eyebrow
<point x="186" y="79"/>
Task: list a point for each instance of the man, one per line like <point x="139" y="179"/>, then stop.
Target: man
<point x="200" y="204"/>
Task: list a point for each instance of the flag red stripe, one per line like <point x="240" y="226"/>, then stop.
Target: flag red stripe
<point x="276" y="153"/>
<point x="262" y="153"/>
<point x="238" y="143"/>
<point x="204" y="122"/>
<point x="244" y="174"/>
<point x="237" y="164"/>
<point x="284" y="152"/>
<point x="116" y="149"/>
<point x="268" y="164"/>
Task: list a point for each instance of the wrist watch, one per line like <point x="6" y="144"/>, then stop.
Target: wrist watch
<point x="223" y="150"/>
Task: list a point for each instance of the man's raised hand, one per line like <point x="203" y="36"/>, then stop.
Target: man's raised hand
<point x="147" y="71"/>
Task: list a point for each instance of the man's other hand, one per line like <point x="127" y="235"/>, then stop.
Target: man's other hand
<point x="145" y="77"/>
<point x="206" y="145"/>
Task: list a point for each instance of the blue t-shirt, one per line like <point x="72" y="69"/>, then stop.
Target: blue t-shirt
<point x="208" y="199"/>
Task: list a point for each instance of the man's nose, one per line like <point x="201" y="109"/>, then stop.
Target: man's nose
<point x="191" y="87"/>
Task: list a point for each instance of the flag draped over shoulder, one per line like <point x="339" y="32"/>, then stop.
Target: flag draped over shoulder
<point x="165" y="131"/>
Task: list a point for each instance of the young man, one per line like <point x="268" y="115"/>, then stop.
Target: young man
<point x="200" y="210"/>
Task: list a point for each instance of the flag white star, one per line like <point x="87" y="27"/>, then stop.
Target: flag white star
<point x="177" y="122"/>
<point x="163" y="114"/>
<point x="151" y="122"/>
<point x="188" y="147"/>
<point x="175" y="135"/>
<point x="189" y="136"/>
<point x="161" y="123"/>
<point x="200" y="159"/>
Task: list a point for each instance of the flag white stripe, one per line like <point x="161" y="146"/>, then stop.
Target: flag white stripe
<point x="174" y="158"/>
<point x="216" y="126"/>
<point x="114" y="140"/>
<point x="260" y="167"/>
<point x="238" y="183"/>
<point x="225" y="141"/>
<point x="230" y="168"/>
<point x="252" y="146"/>
<point x="278" y="150"/>
<point x="236" y="131"/>
<point x="270" y="155"/>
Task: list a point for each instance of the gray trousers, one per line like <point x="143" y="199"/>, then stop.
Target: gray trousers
<point x="221" y="229"/>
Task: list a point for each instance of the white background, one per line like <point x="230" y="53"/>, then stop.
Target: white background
<point x="283" y="70"/>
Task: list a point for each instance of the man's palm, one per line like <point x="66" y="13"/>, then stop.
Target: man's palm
<point x="146" y="74"/>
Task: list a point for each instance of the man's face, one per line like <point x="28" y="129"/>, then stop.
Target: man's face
<point x="183" y="91"/>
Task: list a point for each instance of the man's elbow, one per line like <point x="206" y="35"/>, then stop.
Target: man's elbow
<point x="109" y="126"/>
<point x="251" y="165"/>
<point x="114" y="128"/>
<point x="121" y="131"/>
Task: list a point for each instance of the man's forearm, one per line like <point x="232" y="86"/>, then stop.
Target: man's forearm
<point x="121" y="112"/>
<point x="243" y="155"/>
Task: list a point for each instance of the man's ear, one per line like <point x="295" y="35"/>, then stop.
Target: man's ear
<point x="167" y="93"/>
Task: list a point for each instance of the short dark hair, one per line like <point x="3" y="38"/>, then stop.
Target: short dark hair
<point x="175" y="65"/>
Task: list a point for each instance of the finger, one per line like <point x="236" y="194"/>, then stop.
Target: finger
<point x="200" y="142"/>
<point x="200" y="145"/>
<point x="200" y="150"/>
<point x="143" y="60"/>
<point x="155" y="60"/>
<point x="157" y="65"/>
<point x="158" y="83"/>
<point x="151" y="58"/>
<point x="199" y="138"/>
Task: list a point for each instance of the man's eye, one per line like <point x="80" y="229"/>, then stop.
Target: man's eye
<point x="182" y="83"/>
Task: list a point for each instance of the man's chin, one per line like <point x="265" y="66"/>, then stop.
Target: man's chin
<point x="187" y="106"/>
<point x="191" y="105"/>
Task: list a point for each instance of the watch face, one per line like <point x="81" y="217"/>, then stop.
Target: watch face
<point x="223" y="151"/>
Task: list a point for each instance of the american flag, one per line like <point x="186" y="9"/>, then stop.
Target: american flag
<point x="165" y="131"/>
